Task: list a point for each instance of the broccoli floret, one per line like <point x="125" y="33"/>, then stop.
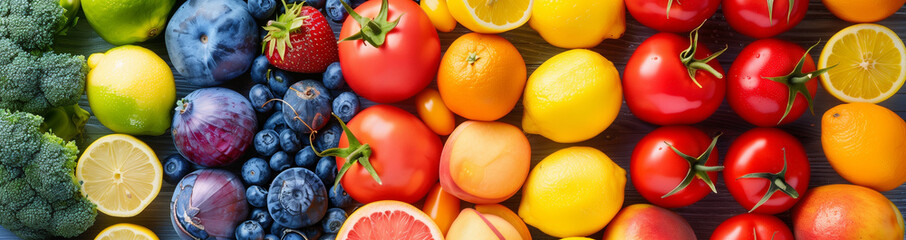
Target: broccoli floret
<point x="33" y="24"/>
<point x="39" y="194"/>
<point x="66" y="122"/>
<point x="37" y="84"/>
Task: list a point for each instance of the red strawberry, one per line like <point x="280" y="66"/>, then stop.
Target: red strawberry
<point x="300" y="40"/>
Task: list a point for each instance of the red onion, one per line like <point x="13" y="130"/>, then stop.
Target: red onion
<point x="213" y="126"/>
<point x="208" y="204"/>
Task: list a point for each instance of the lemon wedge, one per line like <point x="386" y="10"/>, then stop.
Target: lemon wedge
<point x="126" y="231"/>
<point x="490" y="16"/>
<point x="871" y="63"/>
<point x="120" y="174"/>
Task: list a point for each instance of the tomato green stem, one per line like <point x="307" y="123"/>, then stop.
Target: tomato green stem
<point x="795" y="82"/>
<point x="789" y="11"/>
<point x="373" y="31"/>
<point x="697" y="168"/>
<point x="692" y="64"/>
<point x="355" y="153"/>
<point x="777" y="183"/>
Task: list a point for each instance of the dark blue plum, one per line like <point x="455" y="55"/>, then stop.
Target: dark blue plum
<point x="297" y="198"/>
<point x="332" y="236"/>
<point x="289" y="141"/>
<point x="333" y="220"/>
<point x="311" y="101"/>
<point x="271" y="237"/>
<point x="176" y="167"/>
<point x="329" y="137"/>
<point x="267" y="142"/>
<point x="294" y="235"/>
<point x="249" y="230"/>
<point x="275" y="122"/>
<point x="256" y="196"/>
<point x="335" y="11"/>
<point x="333" y="77"/>
<point x="339" y="198"/>
<point x="278" y="230"/>
<point x="346" y="105"/>
<point x="306" y="158"/>
<point x="260" y="66"/>
<point x="256" y="171"/>
<point x="262" y="9"/>
<point x="261" y="216"/>
<point x="327" y="170"/>
<point x="212" y="41"/>
<point x="312" y="232"/>
<point x="280" y="161"/>
<point x="258" y="96"/>
<point x="279" y="81"/>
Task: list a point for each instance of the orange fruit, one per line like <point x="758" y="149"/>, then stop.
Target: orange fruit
<point x="481" y="76"/>
<point x="389" y="219"/>
<point x="865" y="144"/>
<point x="863" y="10"/>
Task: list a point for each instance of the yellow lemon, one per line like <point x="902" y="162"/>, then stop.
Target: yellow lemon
<point x="572" y="97"/>
<point x="131" y="90"/>
<point x="870" y="63"/>
<point x="120" y="174"/>
<point x="575" y="191"/>
<point x="490" y="16"/>
<point x="439" y="14"/>
<point x="126" y="231"/>
<point x="578" y="23"/>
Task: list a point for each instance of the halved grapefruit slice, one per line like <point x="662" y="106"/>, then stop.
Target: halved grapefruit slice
<point x="389" y="220"/>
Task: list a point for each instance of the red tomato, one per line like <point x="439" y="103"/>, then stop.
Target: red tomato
<point x="755" y="170"/>
<point x="657" y="170"/>
<point x="765" y="102"/>
<point x="392" y="68"/>
<point x="752" y="226"/>
<point x="756" y="19"/>
<point x="404" y="153"/>
<point x="659" y="88"/>
<point x="672" y="16"/>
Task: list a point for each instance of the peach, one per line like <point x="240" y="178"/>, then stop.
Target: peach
<point x="844" y="211"/>
<point x="646" y="221"/>
<point x="508" y="215"/>
<point x="473" y="225"/>
<point x="485" y="162"/>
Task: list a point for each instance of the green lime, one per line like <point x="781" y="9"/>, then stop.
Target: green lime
<point x="122" y="22"/>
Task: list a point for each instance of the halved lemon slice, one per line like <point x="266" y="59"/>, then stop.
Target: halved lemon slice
<point x="126" y="231"/>
<point x="120" y="174"/>
<point x="490" y="16"/>
<point x="871" y="63"/>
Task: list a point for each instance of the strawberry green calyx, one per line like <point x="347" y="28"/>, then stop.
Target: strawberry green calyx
<point x="693" y="65"/>
<point x="796" y="80"/>
<point x="777" y="182"/>
<point x="697" y="168"/>
<point x="373" y="31"/>
<point x="280" y="30"/>
<point x="355" y="153"/>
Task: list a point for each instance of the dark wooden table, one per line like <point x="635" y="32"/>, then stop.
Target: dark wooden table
<point x="617" y="141"/>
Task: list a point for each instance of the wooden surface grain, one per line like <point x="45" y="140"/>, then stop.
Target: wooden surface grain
<point x="617" y="141"/>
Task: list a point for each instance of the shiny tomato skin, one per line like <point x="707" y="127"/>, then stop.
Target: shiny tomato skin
<point x="750" y="17"/>
<point x="761" y="101"/>
<point x="404" y="65"/>
<point x="761" y="150"/>
<point x="655" y="169"/>
<point x="658" y="88"/>
<point x="740" y="227"/>
<point x="685" y="15"/>
<point x="405" y="154"/>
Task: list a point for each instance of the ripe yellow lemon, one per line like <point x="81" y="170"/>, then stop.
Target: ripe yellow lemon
<point x="490" y="16"/>
<point x="126" y="231"/>
<point x="870" y="63"/>
<point x="578" y="23"/>
<point x="120" y="174"/>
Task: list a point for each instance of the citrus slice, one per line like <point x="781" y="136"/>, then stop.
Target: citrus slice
<point x="389" y="220"/>
<point x="120" y="174"/>
<point x="490" y="16"/>
<point x="871" y="63"/>
<point x="126" y="231"/>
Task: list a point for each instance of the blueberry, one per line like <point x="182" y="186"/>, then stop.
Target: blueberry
<point x="249" y="230"/>
<point x="280" y="161"/>
<point x="306" y="158"/>
<point x="266" y="142"/>
<point x="335" y="11"/>
<point x="289" y="142"/>
<point x="261" y="216"/>
<point x="275" y="122"/>
<point x="293" y="235"/>
<point x="312" y="232"/>
<point x="262" y="9"/>
<point x="278" y="230"/>
<point x="333" y="76"/>
<point x="255" y="171"/>
<point x="279" y="81"/>
<point x="260" y="66"/>
<point x="329" y="137"/>
<point x="346" y="105"/>
<point x="327" y="170"/>
<point x="339" y="198"/>
<point x="176" y="167"/>
<point x="311" y="101"/>
<point x="256" y="196"/>
<point x="258" y="96"/>
<point x="271" y="237"/>
<point x="297" y="198"/>
<point x="332" y="236"/>
<point x="333" y="220"/>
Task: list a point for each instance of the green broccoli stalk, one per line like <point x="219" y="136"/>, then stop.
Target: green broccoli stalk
<point x="39" y="194"/>
<point x="33" y="24"/>
<point x="66" y="122"/>
<point x="37" y="84"/>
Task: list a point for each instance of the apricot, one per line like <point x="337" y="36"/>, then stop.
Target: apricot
<point x="646" y="221"/>
<point x="844" y="211"/>
<point x="473" y="225"/>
